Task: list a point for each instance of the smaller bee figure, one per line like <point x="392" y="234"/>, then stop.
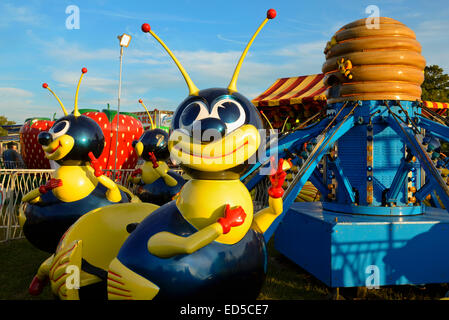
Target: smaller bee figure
<point x="345" y="66"/>
<point x="158" y="184"/>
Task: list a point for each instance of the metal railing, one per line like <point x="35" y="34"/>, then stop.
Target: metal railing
<point x="15" y="183"/>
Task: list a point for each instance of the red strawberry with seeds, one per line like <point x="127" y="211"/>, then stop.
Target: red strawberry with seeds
<point x="32" y="154"/>
<point x="130" y="129"/>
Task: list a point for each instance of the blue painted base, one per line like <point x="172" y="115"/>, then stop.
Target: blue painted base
<point x="339" y="248"/>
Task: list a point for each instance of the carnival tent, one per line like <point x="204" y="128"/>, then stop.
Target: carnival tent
<point x="289" y="101"/>
<point x="438" y="107"/>
<point x="294" y="90"/>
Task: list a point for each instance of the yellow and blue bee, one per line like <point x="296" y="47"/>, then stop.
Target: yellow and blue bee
<point x="73" y="142"/>
<point x="157" y="184"/>
<point x="207" y="243"/>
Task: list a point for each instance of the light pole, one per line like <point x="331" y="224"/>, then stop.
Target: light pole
<point x="124" y="40"/>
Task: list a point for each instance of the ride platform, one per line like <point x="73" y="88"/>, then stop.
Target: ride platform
<point x="345" y="250"/>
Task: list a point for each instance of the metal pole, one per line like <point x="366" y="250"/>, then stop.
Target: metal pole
<point x="118" y="111"/>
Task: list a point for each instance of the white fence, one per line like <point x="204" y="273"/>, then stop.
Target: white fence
<point x="14" y="183"/>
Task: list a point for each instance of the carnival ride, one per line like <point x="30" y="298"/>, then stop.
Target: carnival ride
<point x="374" y="158"/>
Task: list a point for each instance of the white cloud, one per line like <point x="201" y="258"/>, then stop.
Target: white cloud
<point x="11" y="14"/>
<point x="303" y="49"/>
<point x="12" y="93"/>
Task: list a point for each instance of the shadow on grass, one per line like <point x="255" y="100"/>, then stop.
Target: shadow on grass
<point x="19" y="261"/>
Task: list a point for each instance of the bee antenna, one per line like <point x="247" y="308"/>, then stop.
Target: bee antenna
<point x="45" y="86"/>
<point x="148" y="113"/>
<point x="271" y="14"/>
<point x="76" y="111"/>
<point x="193" y="90"/>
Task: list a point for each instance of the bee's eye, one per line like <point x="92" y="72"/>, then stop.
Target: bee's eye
<point x="59" y="128"/>
<point x="196" y="110"/>
<point x="230" y="112"/>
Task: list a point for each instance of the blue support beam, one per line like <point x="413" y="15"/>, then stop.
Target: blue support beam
<point x="410" y="140"/>
<point x="399" y="180"/>
<point x="317" y="180"/>
<point x="425" y="190"/>
<point x="323" y="146"/>
<point x="342" y="180"/>
<point x="436" y="129"/>
<point x="288" y="142"/>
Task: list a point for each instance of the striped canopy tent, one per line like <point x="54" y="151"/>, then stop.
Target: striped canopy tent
<point x="292" y="100"/>
<point x="438" y="107"/>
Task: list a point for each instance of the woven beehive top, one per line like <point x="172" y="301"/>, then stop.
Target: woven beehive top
<point x="368" y="63"/>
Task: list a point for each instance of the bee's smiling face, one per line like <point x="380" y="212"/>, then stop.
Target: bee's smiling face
<point x="56" y="143"/>
<point x="214" y="131"/>
<point x="72" y="138"/>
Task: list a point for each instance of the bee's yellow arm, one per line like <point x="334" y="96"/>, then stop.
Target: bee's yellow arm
<point x="135" y="177"/>
<point x="134" y="180"/>
<point x="32" y="197"/>
<point x="265" y="217"/>
<point x="165" y="244"/>
<point x="162" y="171"/>
<point x="113" y="193"/>
<point x="44" y="268"/>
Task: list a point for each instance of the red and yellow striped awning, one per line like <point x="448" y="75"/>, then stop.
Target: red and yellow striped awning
<point x="436" y="105"/>
<point x="287" y="91"/>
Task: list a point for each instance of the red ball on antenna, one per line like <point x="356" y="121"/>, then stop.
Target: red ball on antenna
<point x="140" y="100"/>
<point x="84" y="70"/>
<point x="44" y="85"/>
<point x="146" y="27"/>
<point x="271" y="14"/>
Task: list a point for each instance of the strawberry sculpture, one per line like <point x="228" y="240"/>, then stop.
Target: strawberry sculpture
<point x="130" y="129"/>
<point x="32" y="154"/>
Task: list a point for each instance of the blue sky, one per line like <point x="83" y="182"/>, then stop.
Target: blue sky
<point x="207" y="37"/>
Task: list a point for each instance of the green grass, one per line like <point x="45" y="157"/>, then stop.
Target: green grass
<point x="285" y="280"/>
<point x="19" y="261"/>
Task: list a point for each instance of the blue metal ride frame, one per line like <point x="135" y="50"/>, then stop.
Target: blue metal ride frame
<point x="437" y="130"/>
<point x="340" y="244"/>
<point x="309" y="167"/>
<point x="288" y="142"/>
<point x="342" y="180"/>
<point x="317" y="180"/>
<point x="426" y="189"/>
<point x="398" y="180"/>
<point x="410" y="140"/>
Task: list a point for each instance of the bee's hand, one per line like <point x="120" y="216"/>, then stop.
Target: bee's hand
<point x="50" y="185"/>
<point x="277" y="180"/>
<point x="153" y="159"/>
<point x="37" y="286"/>
<point x="95" y="164"/>
<point x="233" y="218"/>
<point x="137" y="172"/>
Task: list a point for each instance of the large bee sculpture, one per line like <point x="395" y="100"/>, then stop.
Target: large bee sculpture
<point x="207" y="243"/>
